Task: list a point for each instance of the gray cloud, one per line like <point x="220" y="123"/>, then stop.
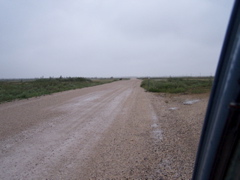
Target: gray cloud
<point x="111" y="38"/>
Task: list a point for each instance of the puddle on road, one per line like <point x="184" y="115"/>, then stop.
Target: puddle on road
<point x="154" y="125"/>
<point x="156" y="132"/>
<point x="189" y="102"/>
<point x="173" y="108"/>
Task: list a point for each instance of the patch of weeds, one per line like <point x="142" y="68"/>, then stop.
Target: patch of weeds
<point x="11" y="90"/>
<point x="189" y="85"/>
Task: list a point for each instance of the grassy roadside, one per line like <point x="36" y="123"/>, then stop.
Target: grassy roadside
<point x="18" y="89"/>
<point x="190" y="85"/>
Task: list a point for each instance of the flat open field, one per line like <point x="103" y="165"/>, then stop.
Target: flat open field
<point x="26" y="88"/>
<point x="110" y="131"/>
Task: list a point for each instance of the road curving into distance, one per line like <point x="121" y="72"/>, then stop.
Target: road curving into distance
<point x="108" y="131"/>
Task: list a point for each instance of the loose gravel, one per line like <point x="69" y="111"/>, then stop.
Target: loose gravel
<point x="111" y="131"/>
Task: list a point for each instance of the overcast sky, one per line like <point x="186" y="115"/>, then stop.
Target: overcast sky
<point x="104" y="38"/>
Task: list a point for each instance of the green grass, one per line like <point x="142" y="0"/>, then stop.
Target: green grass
<point x="190" y="85"/>
<point x="11" y="90"/>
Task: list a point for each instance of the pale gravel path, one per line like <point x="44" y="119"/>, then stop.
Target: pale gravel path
<point x="112" y="131"/>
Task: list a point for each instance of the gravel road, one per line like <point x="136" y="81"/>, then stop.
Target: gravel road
<point x="111" y="131"/>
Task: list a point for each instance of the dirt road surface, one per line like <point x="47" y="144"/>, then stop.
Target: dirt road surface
<point x="111" y="131"/>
